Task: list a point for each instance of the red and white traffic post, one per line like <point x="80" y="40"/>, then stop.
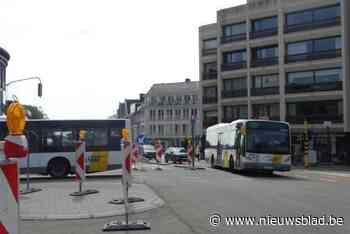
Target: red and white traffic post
<point x="135" y="155"/>
<point x="159" y="152"/>
<point x="126" y="183"/>
<point x="9" y="194"/>
<point x="15" y="146"/>
<point x="80" y="168"/>
<point x="190" y="153"/>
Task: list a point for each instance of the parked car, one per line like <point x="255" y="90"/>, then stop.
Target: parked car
<point x="176" y="154"/>
<point x="148" y="151"/>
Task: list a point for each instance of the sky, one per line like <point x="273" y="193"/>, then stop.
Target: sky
<point x="92" y="54"/>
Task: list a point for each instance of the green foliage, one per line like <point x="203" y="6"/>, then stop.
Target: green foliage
<point x="34" y="112"/>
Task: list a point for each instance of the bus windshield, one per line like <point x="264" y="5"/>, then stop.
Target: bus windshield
<point x="268" y="137"/>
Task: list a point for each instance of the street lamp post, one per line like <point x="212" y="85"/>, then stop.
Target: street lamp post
<point x="193" y="121"/>
<point x="28" y="189"/>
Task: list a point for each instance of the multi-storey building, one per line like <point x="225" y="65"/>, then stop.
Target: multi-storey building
<point x="4" y="58"/>
<point x="167" y="111"/>
<point x="282" y="60"/>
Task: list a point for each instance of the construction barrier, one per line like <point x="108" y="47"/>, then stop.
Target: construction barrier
<point x="16" y="146"/>
<point x="159" y="152"/>
<point x="134" y="155"/>
<point x="9" y="197"/>
<point x="80" y="152"/>
<point x="80" y="167"/>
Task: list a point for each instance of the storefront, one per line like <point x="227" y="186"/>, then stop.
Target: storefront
<point x="330" y="147"/>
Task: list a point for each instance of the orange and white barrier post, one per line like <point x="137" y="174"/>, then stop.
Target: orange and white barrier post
<point x="159" y="152"/>
<point x="80" y="152"/>
<point x="9" y="194"/>
<point x="80" y="168"/>
<point x="135" y="155"/>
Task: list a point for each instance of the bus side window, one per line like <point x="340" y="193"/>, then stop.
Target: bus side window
<point x="33" y="141"/>
<point x="52" y="141"/>
<point x="114" y="138"/>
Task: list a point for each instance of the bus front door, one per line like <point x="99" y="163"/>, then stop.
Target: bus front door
<point x="219" y="153"/>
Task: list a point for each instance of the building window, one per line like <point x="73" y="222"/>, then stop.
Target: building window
<point x="194" y="99"/>
<point x="210" y="95"/>
<point x="235" y="57"/>
<point x="315" y="112"/>
<point x="209" y="118"/>
<point x="178" y="114"/>
<point x="209" y="46"/>
<point x="265" y="85"/>
<point x="264" y="27"/>
<point x="184" y="129"/>
<point x="234" y="60"/>
<point x="270" y="111"/>
<point x="236" y="87"/>
<point x="177" y="130"/>
<point x="210" y="71"/>
<point x="232" y="113"/>
<point x="186" y="113"/>
<point x="318" y="80"/>
<point x="265" y="56"/>
<point x="234" y="32"/>
<point x="313" y="18"/>
<point x="187" y="99"/>
<point x="314" y="49"/>
<point x="171" y="100"/>
<point x="160" y="114"/>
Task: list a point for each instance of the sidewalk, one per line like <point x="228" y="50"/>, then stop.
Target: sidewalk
<point x="105" y="174"/>
<point x="55" y="203"/>
<point x="337" y="170"/>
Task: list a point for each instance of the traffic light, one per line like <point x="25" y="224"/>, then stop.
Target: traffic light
<point x="40" y="89"/>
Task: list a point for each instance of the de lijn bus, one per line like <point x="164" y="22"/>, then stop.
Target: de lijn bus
<point x="52" y="144"/>
<point x="249" y="145"/>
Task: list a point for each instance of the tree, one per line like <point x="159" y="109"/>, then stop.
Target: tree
<point x="34" y="112"/>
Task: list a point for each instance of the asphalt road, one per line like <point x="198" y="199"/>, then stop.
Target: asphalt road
<point x="192" y="196"/>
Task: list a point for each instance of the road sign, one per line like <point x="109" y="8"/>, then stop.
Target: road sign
<point x="141" y="139"/>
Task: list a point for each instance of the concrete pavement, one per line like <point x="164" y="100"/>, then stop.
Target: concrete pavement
<point x="54" y="201"/>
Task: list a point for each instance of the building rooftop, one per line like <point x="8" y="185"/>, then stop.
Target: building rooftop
<point x="174" y="88"/>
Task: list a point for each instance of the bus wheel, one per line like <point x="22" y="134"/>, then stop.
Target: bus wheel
<point x="232" y="164"/>
<point x="212" y="162"/>
<point x="58" y="167"/>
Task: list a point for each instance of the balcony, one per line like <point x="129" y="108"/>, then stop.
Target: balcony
<point x="210" y="76"/>
<point x="234" y="93"/>
<point x="264" y="62"/>
<point x="267" y="117"/>
<point x="263" y="33"/>
<point x="210" y="100"/>
<point x="209" y="51"/>
<point x="265" y="91"/>
<point x="313" y="56"/>
<point x="314" y="87"/>
<point x="315" y="118"/>
<point x="233" y="38"/>
<point x="313" y="25"/>
<point x="234" y="66"/>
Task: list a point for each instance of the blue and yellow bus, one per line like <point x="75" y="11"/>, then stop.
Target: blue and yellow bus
<point x="249" y="145"/>
<point x="52" y="144"/>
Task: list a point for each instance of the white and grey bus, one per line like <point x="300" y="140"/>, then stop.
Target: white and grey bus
<point x="52" y="149"/>
<point x="249" y="145"/>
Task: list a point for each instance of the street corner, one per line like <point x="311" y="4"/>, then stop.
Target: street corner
<point x="55" y="203"/>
